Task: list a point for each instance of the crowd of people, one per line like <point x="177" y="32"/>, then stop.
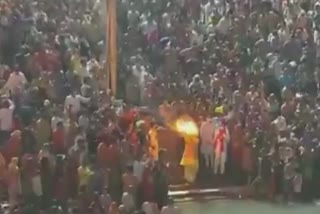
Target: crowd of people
<point x="68" y="145"/>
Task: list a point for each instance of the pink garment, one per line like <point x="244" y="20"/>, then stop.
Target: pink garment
<point x="206" y="131"/>
<point x="153" y="36"/>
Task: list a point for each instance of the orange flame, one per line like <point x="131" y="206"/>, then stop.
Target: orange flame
<point x="187" y="126"/>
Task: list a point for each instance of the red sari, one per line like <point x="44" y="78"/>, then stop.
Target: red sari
<point x="58" y="140"/>
<point x="126" y="119"/>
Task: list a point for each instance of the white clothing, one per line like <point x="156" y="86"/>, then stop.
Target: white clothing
<point x="75" y="103"/>
<point x="281" y="123"/>
<point x="206" y="12"/>
<point x="85" y="90"/>
<point x="220" y="161"/>
<point x="16" y="82"/>
<point x="37" y="185"/>
<point x="138" y="168"/>
<point x="6" y="118"/>
<point x="196" y="39"/>
<point x="128" y="201"/>
<point x="148" y="208"/>
<point x="276" y="66"/>
<point x="148" y="27"/>
<point x="207" y="132"/>
<point x="91" y="64"/>
<point x="83" y="122"/>
<point x="83" y="73"/>
<point x="297" y="183"/>
<point x="206" y="136"/>
<point x="54" y="122"/>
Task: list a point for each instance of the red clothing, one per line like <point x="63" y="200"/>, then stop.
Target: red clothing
<point x="40" y="60"/>
<point x="153" y="37"/>
<point x="219" y="139"/>
<point x="133" y="138"/>
<point x="58" y="138"/>
<point x="12" y="149"/>
<point x="126" y="119"/>
<point x="46" y="60"/>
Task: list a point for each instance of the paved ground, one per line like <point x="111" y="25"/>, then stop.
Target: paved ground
<point x="245" y="207"/>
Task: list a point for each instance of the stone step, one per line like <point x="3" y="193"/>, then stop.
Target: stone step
<point x="199" y="199"/>
<point x="225" y="192"/>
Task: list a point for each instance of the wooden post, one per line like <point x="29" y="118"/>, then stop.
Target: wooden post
<point x="111" y="45"/>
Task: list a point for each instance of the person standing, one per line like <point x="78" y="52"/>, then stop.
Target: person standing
<point x="6" y="120"/>
<point x="46" y="174"/>
<point x="14" y="187"/>
<point x="160" y="185"/>
<point x="153" y="142"/>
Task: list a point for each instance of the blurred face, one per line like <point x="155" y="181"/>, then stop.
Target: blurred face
<point x="60" y="126"/>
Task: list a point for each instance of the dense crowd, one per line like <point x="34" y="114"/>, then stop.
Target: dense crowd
<point x="68" y="145"/>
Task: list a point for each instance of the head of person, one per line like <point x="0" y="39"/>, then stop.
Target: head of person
<point x="5" y="104"/>
<point x="129" y="169"/>
<point x="113" y="207"/>
<point x="60" y="125"/>
<point x="16" y="135"/>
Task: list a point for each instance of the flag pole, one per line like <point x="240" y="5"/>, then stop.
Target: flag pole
<point x="111" y="45"/>
<point x="106" y="64"/>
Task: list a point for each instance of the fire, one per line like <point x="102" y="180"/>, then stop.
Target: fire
<point x="187" y="126"/>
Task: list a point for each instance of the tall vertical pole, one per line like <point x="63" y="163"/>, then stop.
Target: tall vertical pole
<point x="111" y="45"/>
<point x="106" y="65"/>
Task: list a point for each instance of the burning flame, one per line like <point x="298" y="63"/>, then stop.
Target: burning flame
<point x="187" y="126"/>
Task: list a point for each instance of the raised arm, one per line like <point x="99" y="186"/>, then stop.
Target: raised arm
<point x="83" y="99"/>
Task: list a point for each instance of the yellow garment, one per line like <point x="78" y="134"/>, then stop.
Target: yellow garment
<point x="84" y="175"/>
<point x="190" y="173"/>
<point x="45" y="84"/>
<point x="75" y="63"/>
<point x="219" y="110"/>
<point x="190" y="158"/>
<point x="154" y="144"/>
<point x="190" y="154"/>
<point x="43" y="131"/>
